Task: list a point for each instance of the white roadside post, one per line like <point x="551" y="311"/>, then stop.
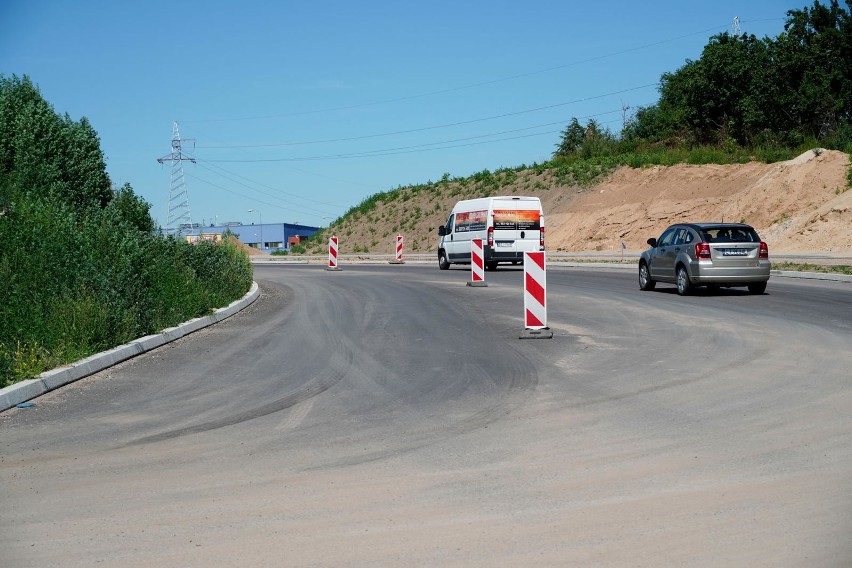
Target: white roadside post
<point x="535" y="297"/>
<point x="477" y="265"/>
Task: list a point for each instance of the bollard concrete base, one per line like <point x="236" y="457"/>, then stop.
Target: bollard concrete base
<point x="396" y="262"/>
<point x="334" y="268"/>
<point x="537" y="334"/>
<point x="478" y="284"/>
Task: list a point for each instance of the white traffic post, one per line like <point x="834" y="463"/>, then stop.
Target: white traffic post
<point x="332" y="253"/>
<point x="398" y="251"/>
<point x="477" y="264"/>
<point x="535" y="297"/>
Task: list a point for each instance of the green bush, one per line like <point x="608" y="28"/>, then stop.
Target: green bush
<point x="76" y="284"/>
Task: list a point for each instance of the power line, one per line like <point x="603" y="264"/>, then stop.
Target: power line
<point x="463" y="87"/>
<point x="434" y="127"/>
<point x="371" y="153"/>
<point x="426" y="145"/>
<point x="276" y="205"/>
<point x="419" y="147"/>
<point x="314" y="174"/>
<point x="306" y="210"/>
<point x="378" y="153"/>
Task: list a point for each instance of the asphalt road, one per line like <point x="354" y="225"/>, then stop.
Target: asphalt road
<point x="390" y="416"/>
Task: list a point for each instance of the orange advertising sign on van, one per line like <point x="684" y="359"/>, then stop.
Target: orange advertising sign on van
<point x="214" y="237"/>
<point x="471" y="221"/>
<point x="517" y="219"/>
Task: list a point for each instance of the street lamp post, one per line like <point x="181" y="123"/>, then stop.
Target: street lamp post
<point x="260" y="218"/>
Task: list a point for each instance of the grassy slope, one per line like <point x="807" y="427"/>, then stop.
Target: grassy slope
<point x="417" y="211"/>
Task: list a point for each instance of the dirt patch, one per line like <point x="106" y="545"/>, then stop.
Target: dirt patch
<point x="251" y="251"/>
<point x="801" y="205"/>
<point x="798" y="205"/>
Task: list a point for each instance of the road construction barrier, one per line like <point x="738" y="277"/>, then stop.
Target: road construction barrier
<point x="332" y="253"/>
<point x="535" y="297"/>
<point x="398" y="251"/>
<point x="477" y="264"/>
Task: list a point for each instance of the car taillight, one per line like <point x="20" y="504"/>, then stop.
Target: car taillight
<point x="541" y="237"/>
<point x="702" y="250"/>
<point x="764" y="250"/>
<point x="491" y="236"/>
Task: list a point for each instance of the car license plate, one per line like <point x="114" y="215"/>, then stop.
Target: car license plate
<point x="734" y="252"/>
<point x="504" y="243"/>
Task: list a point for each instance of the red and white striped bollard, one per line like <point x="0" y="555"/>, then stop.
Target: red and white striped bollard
<point x="398" y="260"/>
<point x="477" y="264"/>
<point x="332" y="253"/>
<point x="535" y="297"/>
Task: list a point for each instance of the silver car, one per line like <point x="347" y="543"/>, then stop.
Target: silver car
<point x="706" y="254"/>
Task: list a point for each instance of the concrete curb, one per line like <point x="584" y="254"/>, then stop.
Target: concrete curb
<point x="55" y="378"/>
<point x="812" y="275"/>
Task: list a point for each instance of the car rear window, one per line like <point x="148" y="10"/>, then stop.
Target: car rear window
<point x="730" y="235"/>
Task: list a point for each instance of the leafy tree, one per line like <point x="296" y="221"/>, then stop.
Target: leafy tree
<point x="133" y="209"/>
<point x="43" y="153"/>
<point x="591" y="140"/>
<point x="814" y="70"/>
<point x="572" y="138"/>
<point x="751" y="91"/>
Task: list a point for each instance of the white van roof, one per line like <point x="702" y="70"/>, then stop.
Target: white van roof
<point x="528" y="202"/>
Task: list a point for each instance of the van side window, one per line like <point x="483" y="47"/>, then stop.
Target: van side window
<point x="450" y="223"/>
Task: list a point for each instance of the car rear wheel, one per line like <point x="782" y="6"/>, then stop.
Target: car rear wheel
<point x="684" y="286"/>
<point x="443" y="263"/>
<point x="757" y="288"/>
<point x="645" y="281"/>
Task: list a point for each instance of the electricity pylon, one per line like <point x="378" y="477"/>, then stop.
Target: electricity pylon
<point x="178" y="216"/>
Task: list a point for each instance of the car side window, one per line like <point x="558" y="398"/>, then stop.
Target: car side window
<point x="450" y="223"/>
<point x="682" y="237"/>
<point x="666" y="238"/>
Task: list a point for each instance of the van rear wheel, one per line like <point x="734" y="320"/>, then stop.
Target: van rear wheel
<point x="491" y="265"/>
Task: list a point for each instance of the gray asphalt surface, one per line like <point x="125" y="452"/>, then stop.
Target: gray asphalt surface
<point x="389" y="415"/>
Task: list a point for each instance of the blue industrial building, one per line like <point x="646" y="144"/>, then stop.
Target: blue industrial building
<point x="268" y="237"/>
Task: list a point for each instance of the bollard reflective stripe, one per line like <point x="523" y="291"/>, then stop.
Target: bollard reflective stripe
<point x="332" y="252"/>
<point x="535" y="290"/>
<point x="477" y="264"/>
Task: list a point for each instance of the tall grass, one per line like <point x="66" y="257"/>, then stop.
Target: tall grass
<point x="77" y="284"/>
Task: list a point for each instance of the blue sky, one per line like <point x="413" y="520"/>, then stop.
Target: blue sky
<point x="300" y="110"/>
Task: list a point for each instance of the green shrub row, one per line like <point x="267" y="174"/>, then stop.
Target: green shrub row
<point x="78" y="283"/>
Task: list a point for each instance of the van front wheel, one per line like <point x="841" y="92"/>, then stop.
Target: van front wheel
<point x="491" y="265"/>
<point x="443" y="263"/>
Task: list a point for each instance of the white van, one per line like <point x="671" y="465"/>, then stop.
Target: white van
<point x="508" y="226"/>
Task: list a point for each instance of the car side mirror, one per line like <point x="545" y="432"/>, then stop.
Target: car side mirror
<point x="652" y="241"/>
<point x="442" y="230"/>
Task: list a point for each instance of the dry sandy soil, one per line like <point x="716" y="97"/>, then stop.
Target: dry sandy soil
<point x="801" y="205"/>
<point x="798" y="205"/>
